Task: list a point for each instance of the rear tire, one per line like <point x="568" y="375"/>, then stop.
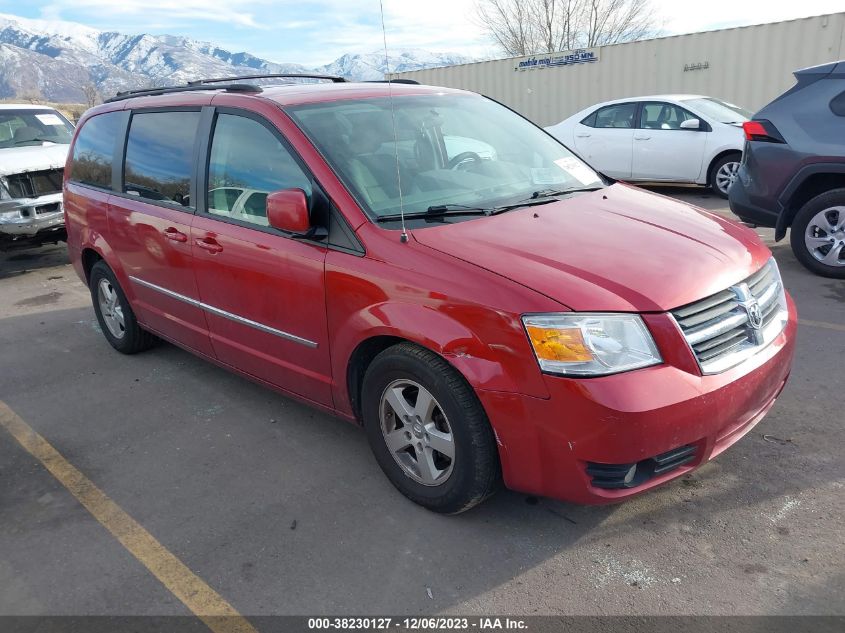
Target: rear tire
<point x="723" y="173"/>
<point x="446" y="459"/>
<point x="817" y="236"/>
<point x="114" y="314"/>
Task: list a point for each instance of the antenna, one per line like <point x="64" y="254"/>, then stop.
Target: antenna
<point x="404" y="236"/>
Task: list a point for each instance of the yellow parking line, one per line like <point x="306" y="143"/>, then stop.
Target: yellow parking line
<point x="201" y="599"/>
<point x="823" y="324"/>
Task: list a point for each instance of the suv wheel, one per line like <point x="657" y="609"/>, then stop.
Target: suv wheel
<point x="818" y="234"/>
<point x="428" y="431"/>
<point x="723" y="173"/>
<point x="115" y="316"/>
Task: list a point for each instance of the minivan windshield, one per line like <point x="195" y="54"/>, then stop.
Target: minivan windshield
<point x="721" y="111"/>
<point x="28" y="127"/>
<point x="453" y="149"/>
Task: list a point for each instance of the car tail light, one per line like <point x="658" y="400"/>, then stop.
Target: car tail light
<point x="761" y="130"/>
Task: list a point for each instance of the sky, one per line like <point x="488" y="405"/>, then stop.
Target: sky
<point x="315" y="33"/>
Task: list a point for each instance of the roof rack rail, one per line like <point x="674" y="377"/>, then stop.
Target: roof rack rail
<point x="412" y="82"/>
<point x="333" y="78"/>
<point x="151" y="92"/>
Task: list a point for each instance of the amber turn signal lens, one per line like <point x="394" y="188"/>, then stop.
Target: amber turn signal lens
<point x="563" y="345"/>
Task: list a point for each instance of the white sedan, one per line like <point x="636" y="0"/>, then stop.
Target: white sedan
<point x="660" y="138"/>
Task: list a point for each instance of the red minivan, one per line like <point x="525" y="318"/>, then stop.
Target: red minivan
<point x="427" y="263"/>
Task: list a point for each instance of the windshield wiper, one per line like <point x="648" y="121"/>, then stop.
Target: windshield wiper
<point x="546" y="193"/>
<point x="440" y="209"/>
<point x="543" y="196"/>
<point x="530" y="202"/>
<point x="437" y="211"/>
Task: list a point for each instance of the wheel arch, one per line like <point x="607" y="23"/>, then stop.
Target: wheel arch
<point x="89" y="257"/>
<point x="808" y="183"/>
<point x="95" y="248"/>
<point x="719" y="156"/>
<point x="360" y="360"/>
<point x="480" y="364"/>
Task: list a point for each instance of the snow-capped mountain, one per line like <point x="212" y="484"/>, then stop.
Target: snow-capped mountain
<point x="371" y="66"/>
<point x="55" y="60"/>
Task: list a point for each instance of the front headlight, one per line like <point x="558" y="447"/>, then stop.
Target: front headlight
<point x="4" y="189"/>
<point x="582" y="344"/>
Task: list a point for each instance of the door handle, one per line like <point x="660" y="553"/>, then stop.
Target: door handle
<point x="582" y="135"/>
<point x="175" y="235"/>
<point x="209" y="244"/>
<point x="642" y="138"/>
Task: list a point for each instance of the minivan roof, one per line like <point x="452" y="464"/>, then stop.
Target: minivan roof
<point x="282" y="94"/>
<point x="295" y="94"/>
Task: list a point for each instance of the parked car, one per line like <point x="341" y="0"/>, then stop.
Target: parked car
<point x="33" y="149"/>
<point x="659" y="138"/>
<point x="793" y="170"/>
<point x="511" y="318"/>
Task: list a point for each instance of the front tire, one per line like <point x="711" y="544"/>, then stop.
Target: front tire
<point x="723" y="173"/>
<point x="817" y="236"/>
<point x="114" y="314"/>
<point x="428" y="431"/>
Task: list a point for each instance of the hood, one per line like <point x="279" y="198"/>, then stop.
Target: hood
<point x="617" y="249"/>
<point x="16" y="160"/>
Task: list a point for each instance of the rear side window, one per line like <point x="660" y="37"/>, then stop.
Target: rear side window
<point x="93" y="152"/>
<point x="159" y="156"/>
<point x="248" y="162"/>
<point x="620" y="115"/>
<point x="590" y="121"/>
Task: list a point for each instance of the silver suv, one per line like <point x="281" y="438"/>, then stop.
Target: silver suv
<point x="34" y="141"/>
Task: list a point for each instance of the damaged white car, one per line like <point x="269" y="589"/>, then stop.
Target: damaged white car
<point x="34" y="141"/>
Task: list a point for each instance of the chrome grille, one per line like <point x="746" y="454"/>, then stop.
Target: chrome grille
<point x="726" y="328"/>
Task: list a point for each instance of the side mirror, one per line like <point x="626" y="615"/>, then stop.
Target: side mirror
<point x="691" y="124"/>
<point x="287" y="210"/>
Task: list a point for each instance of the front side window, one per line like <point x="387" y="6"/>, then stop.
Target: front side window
<point x="620" y="115"/>
<point x="91" y="163"/>
<point x="663" y="116"/>
<point x="248" y="162"/>
<point x="159" y="156"/>
<point x="33" y="127"/>
<point x="452" y="149"/>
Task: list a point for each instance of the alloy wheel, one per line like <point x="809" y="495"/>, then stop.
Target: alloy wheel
<point x="110" y="308"/>
<point x="417" y="432"/>
<point x="726" y="175"/>
<point x="825" y="236"/>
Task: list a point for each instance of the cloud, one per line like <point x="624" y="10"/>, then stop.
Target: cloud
<point x="131" y="14"/>
<point x="729" y="13"/>
<point x="308" y="32"/>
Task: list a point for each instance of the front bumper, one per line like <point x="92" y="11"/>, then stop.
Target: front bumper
<point x="36" y="215"/>
<point x="546" y="446"/>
